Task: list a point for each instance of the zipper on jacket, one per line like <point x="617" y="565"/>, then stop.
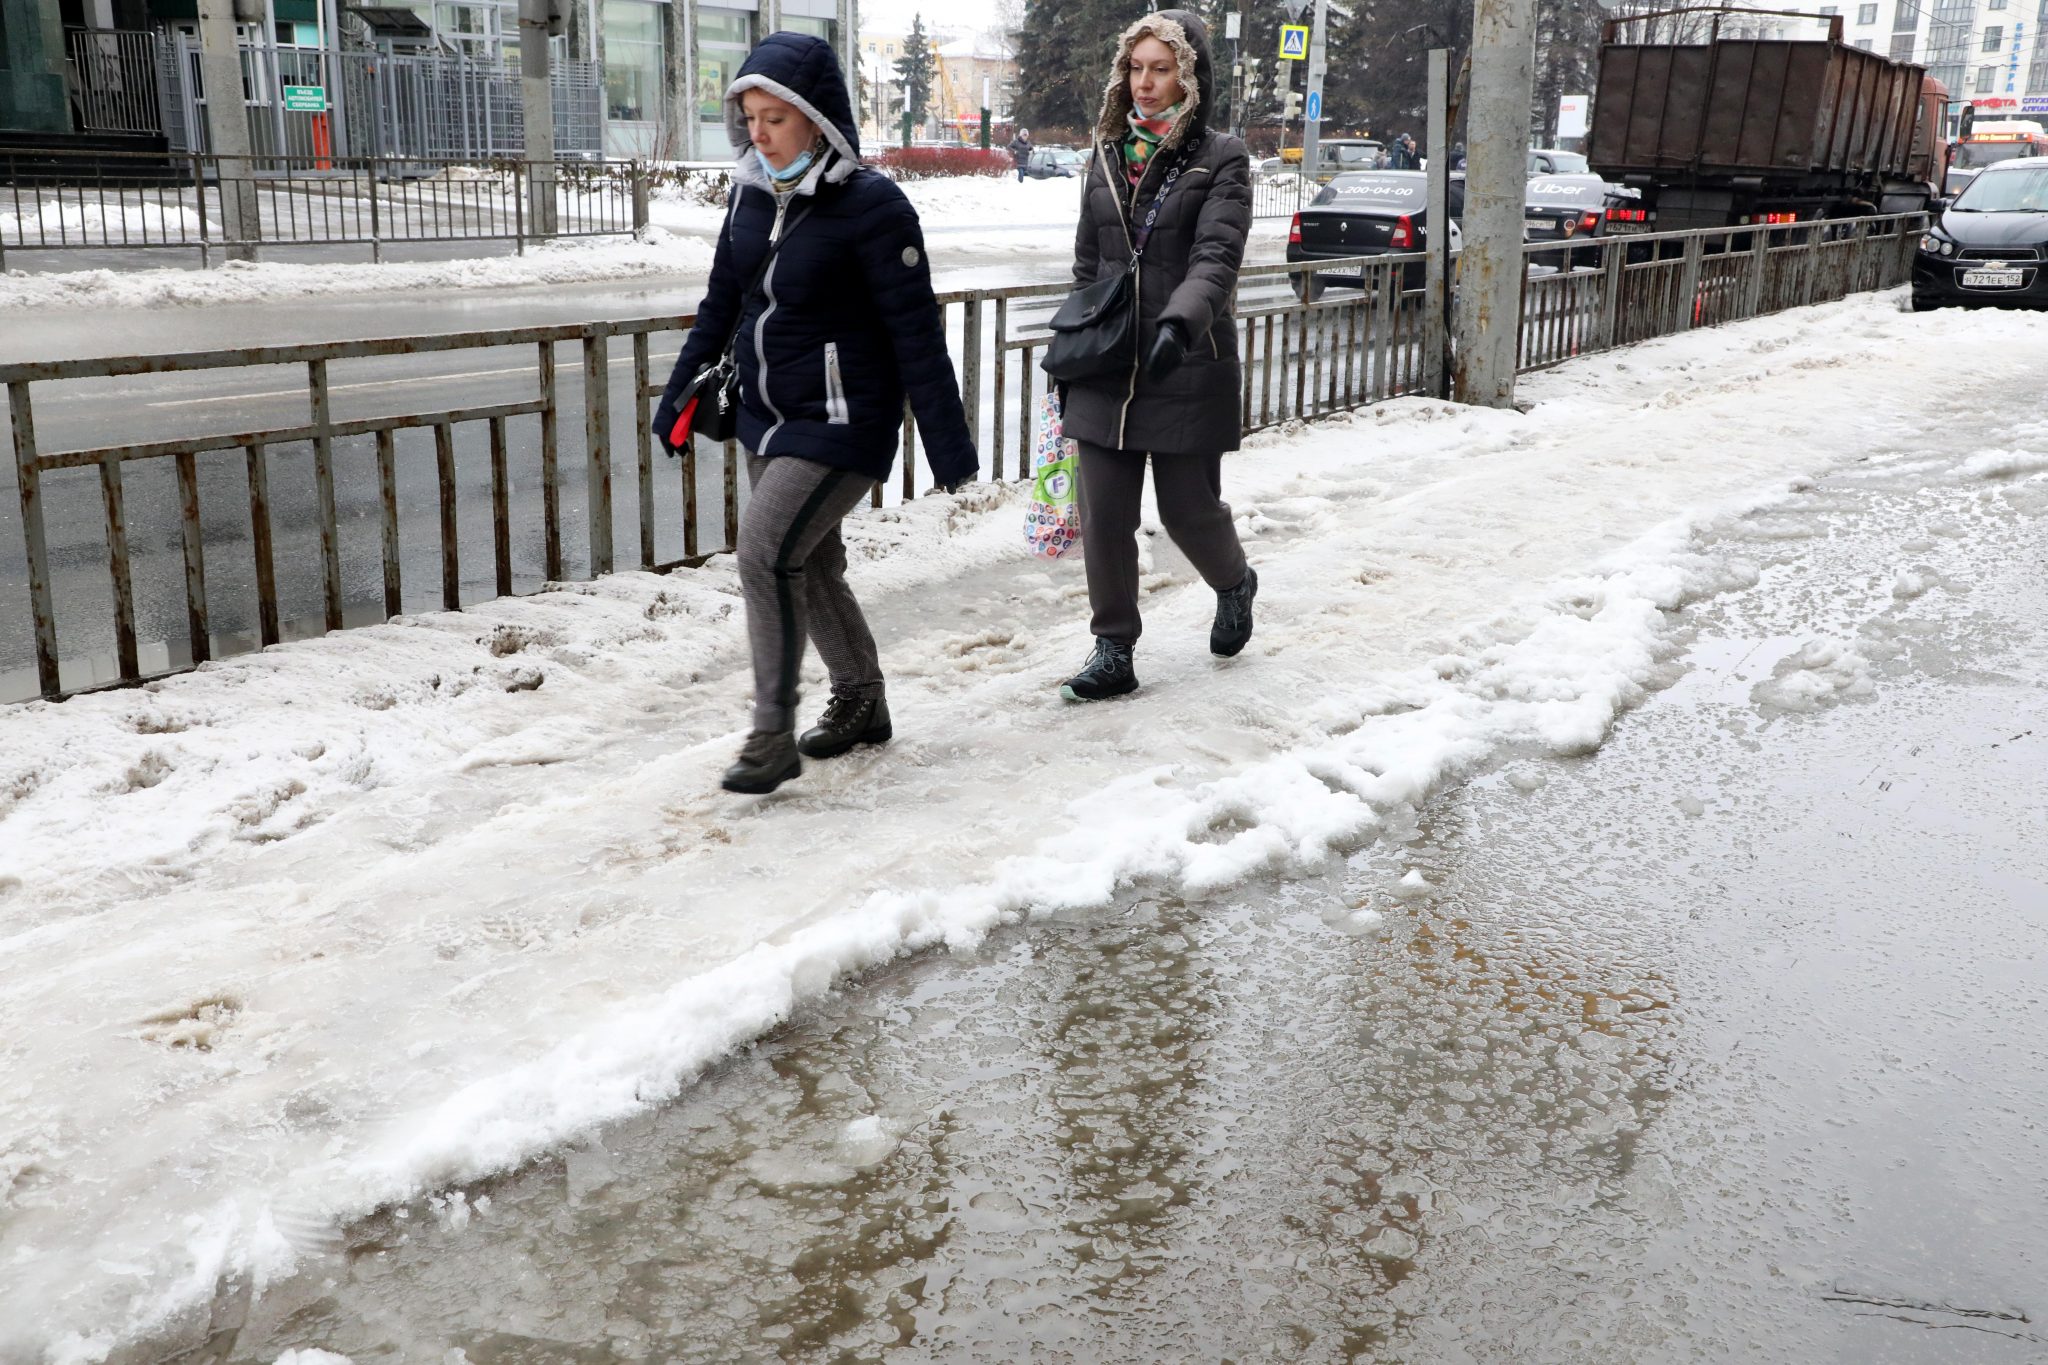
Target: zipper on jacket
<point x="836" y="413"/>
<point x="761" y="326"/>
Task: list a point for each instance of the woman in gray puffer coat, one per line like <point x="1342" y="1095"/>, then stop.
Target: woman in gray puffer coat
<point x="1178" y="408"/>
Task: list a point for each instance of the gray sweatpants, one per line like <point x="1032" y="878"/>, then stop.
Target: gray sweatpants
<point x="1191" y="507"/>
<point x="793" y="575"/>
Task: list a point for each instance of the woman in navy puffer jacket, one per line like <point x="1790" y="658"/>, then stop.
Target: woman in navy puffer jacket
<point x="843" y="326"/>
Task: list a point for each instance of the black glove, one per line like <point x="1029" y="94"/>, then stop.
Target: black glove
<point x="665" y="415"/>
<point x="1169" y="348"/>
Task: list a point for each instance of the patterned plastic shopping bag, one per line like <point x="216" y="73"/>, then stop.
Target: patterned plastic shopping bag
<point x="1053" y="523"/>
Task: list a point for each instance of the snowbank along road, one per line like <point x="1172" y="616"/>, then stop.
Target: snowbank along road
<point x="358" y="918"/>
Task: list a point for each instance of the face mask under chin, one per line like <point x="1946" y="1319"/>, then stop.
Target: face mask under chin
<point x="791" y="173"/>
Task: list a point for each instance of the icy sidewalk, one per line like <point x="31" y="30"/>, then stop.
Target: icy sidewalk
<point x="319" y="928"/>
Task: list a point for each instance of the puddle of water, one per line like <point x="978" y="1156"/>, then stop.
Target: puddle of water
<point x="1725" y="1041"/>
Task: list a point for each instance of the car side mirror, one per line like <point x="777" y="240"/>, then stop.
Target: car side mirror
<point x="1942" y="202"/>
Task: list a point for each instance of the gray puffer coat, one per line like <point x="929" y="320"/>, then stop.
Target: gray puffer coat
<point x="1189" y="270"/>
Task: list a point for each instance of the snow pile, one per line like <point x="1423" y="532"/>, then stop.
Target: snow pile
<point x="359" y="918"/>
<point x="91" y="223"/>
<point x="567" y="261"/>
<point x="1819" y="673"/>
<point x="1998" y="464"/>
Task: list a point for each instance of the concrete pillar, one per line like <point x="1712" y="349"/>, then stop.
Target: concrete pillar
<point x="32" y="97"/>
<point x="537" y="105"/>
<point x="227" y="126"/>
<point x="1490" y="272"/>
<point x="678" y="80"/>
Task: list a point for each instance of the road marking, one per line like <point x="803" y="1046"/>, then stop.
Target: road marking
<point x="362" y="384"/>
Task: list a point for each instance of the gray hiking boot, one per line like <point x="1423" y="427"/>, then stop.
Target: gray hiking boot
<point x="1233" y="628"/>
<point x="1108" y="673"/>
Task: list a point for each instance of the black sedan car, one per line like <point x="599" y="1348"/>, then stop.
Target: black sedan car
<point x="1990" y="243"/>
<point x="1566" y="209"/>
<point x="1373" y="213"/>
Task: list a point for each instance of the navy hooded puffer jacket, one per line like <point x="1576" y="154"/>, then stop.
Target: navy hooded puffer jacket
<point x="845" y="323"/>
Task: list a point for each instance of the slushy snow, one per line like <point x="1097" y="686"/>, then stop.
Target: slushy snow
<point x="366" y="917"/>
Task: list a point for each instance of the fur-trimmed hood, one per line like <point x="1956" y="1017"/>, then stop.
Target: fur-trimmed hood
<point x="1185" y="33"/>
<point x="805" y="71"/>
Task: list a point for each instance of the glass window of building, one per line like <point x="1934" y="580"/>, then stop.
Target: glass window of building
<point x="1994" y="38"/>
<point x="1985" y="76"/>
<point x="1866" y="14"/>
<point x="828" y="29"/>
<point x="475" y="28"/>
<point x="1902" y="47"/>
<point x="1906" y="17"/>
<point x="632" y="59"/>
<point x="723" y="38"/>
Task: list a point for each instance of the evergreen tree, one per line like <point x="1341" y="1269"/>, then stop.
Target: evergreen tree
<point x="1063" y="56"/>
<point x="916" y="69"/>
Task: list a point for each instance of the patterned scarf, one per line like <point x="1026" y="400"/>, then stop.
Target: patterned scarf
<point x="1144" y="139"/>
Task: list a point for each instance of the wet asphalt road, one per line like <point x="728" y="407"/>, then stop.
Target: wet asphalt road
<point x="1724" y="1042"/>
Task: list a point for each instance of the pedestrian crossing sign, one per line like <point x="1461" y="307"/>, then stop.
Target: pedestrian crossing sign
<point x="1294" y="42"/>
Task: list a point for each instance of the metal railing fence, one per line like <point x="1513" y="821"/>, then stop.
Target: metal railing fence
<point x="140" y="200"/>
<point x="429" y="106"/>
<point x="114" y="80"/>
<point x="380" y="501"/>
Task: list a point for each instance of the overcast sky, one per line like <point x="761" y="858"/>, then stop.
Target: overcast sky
<point x="891" y="18"/>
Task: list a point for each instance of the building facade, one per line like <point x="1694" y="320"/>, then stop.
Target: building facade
<point x="1988" y="53"/>
<point x="427" y="79"/>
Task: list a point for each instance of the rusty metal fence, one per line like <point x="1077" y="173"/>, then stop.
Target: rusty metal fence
<point x="56" y="201"/>
<point x="341" y="509"/>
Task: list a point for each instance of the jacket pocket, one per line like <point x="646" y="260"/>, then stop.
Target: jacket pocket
<point x="836" y="413"/>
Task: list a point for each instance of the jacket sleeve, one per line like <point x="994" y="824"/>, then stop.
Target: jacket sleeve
<point x="899" y="281"/>
<point x="716" y="313"/>
<point x="1221" y="225"/>
<point x="1087" y="248"/>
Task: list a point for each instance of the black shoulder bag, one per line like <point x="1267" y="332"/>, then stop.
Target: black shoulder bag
<point x="1095" y="332"/>
<point x="718" y="420"/>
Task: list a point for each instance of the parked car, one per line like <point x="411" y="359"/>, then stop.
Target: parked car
<point x="1054" y="163"/>
<point x="1551" y="161"/>
<point x="1566" y="208"/>
<point x="1370" y="214"/>
<point x="1990" y="243"/>
<point x="1337" y="156"/>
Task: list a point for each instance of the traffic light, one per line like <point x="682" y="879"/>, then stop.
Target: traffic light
<point x="1293" y="109"/>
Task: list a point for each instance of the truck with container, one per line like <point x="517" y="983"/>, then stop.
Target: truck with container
<point x="1717" y="127"/>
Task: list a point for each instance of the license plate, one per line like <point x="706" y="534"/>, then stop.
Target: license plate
<point x="1539" y="225"/>
<point x="1993" y="279"/>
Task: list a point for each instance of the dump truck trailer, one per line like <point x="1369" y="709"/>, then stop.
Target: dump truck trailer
<point x="1716" y="131"/>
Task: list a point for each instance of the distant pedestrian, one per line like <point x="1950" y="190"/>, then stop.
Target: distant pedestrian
<point x="821" y="285"/>
<point x="1178" y="407"/>
<point x="1020" y="151"/>
<point x="1458" y="157"/>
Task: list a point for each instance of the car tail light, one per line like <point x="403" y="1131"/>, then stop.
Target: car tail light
<point x="1588" y="222"/>
<point x="1629" y="215"/>
<point x="1404" y="232"/>
<point x="1294" y="231"/>
<point x="1770" y="218"/>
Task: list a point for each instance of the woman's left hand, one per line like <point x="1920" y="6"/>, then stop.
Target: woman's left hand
<point x="1169" y="349"/>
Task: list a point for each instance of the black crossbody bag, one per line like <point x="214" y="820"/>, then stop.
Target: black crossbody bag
<point x="718" y="419"/>
<point x="1095" y="332"/>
